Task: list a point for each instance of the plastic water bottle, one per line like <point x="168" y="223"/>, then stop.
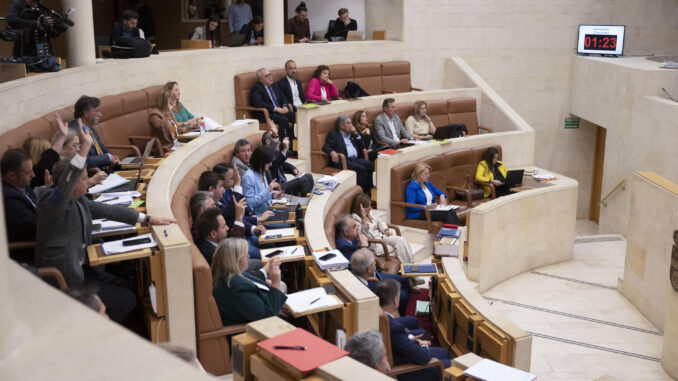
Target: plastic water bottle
<point x="201" y="123"/>
<point x="299" y="219"/>
<point x="251" y="37"/>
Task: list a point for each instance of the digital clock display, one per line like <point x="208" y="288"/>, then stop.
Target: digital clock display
<point x="601" y="39"/>
<point x="600" y="42"/>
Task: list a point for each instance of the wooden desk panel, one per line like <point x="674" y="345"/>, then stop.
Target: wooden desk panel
<point x="97" y="256"/>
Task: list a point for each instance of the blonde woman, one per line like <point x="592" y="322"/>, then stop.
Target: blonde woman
<point x="164" y="123"/>
<point x="240" y="296"/>
<point x="419" y="124"/>
<point x="421" y="191"/>
<point x="374" y="227"/>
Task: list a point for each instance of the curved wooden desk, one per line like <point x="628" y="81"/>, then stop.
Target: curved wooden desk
<point x="523" y="231"/>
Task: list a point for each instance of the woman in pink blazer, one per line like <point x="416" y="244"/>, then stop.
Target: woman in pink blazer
<point x="321" y="87"/>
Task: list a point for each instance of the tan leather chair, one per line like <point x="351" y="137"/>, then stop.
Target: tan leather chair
<point x="368" y="76"/>
<point x="387" y="263"/>
<point x="395" y="77"/>
<point x="53" y="272"/>
<point x="385" y="329"/>
<point x="340" y="75"/>
<point x="320" y="161"/>
<point x="463" y="110"/>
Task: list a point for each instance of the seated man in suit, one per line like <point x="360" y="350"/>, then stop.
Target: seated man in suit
<point x="388" y="127"/>
<point x="407" y="346"/>
<point x="291" y="86"/>
<point x="127" y="27"/>
<point x="17" y="195"/>
<point x="64" y="229"/>
<point x="368" y="348"/>
<point x="348" y="237"/>
<point x="345" y="140"/>
<point x="301" y="184"/>
<point x="88" y="110"/>
<point x="364" y="267"/>
<point x="266" y="95"/>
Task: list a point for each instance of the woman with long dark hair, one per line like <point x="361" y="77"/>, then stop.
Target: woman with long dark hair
<point x="210" y="32"/>
<point x="491" y="170"/>
<point x="256" y="182"/>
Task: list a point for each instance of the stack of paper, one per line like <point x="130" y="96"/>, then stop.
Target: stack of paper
<point x="337" y="262"/>
<point x="278" y="233"/>
<point x="329" y="182"/>
<point x="113" y="180"/>
<point x="544" y="176"/>
<point x="488" y="370"/>
<point x="445" y="208"/>
<point x="237" y="122"/>
<point x="115" y="200"/>
<point x="116" y="247"/>
<point x="314" y="298"/>
<point x="211" y="124"/>
<point x="104" y="225"/>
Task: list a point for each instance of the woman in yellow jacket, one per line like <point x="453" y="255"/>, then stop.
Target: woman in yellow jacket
<point x="491" y="170"/>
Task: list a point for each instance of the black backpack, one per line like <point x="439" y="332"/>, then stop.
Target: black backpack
<point x="353" y="90"/>
<point x="130" y="48"/>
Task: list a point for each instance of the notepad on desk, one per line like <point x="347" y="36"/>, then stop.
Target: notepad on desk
<point x="115" y="200"/>
<point x="330" y="260"/>
<point x="488" y="370"/>
<point x="117" y="247"/>
<point x="427" y="268"/>
<point x="278" y="233"/>
<point x="113" y="180"/>
<point x="445" y="208"/>
<point x="284" y="253"/>
<point x="309" y="300"/>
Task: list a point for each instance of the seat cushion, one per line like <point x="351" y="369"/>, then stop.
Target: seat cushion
<point x="395" y="76"/>
<point x="368" y="76"/>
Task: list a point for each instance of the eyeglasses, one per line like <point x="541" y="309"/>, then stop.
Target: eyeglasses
<point x="268" y="75"/>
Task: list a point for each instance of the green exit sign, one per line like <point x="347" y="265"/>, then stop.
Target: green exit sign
<point x="571" y="122"/>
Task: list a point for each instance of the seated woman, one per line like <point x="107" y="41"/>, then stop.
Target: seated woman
<point x="321" y="88"/>
<point x="257" y="187"/>
<point x="181" y="114"/>
<point x="374" y="227"/>
<point x="242" y="297"/>
<point x="165" y="126"/>
<point x="254" y="30"/>
<point x="210" y="32"/>
<point x="491" y="170"/>
<point x="421" y="191"/>
<point x="363" y="127"/>
<point x="419" y="124"/>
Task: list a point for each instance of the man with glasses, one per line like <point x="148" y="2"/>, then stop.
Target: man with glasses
<point x="348" y="238"/>
<point x="265" y="94"/>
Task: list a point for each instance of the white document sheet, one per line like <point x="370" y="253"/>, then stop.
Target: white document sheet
<point x="210" y="124"/>
<point x="311" y="299"/>
<point x="445" y="208"/>
<point x="287" y="252"/>
<point x="488" y="370"/>
<point x="116" y="247"/>
<point x="113" y="180"/>
<point x="279" y="233"/>
<point x="121" y="194"/>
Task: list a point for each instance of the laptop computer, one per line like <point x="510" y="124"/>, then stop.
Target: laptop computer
<point x="354" y="35"/>
<point x="237" y="40"/>
<point x="514" y="178"/>
<point x="139" y="159"/>
<point x="132" y="185"/>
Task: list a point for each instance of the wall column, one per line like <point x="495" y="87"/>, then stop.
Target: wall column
<point x="80" y="38"/>
<point x="274" y="23"/>
<point x="10" y="328"/>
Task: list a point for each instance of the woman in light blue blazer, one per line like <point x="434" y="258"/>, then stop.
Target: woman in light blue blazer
<point x="421" y="191"/>
<point x="257" y="188"/>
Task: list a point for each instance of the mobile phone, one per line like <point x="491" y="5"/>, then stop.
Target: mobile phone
<point x="317" y="192"/>
<point x="327" y="256"/>
<point x="137" y="241"/>
<point x="329" y="289"/>
<point x="414" y="269"/>
<point x="274" y="253"/>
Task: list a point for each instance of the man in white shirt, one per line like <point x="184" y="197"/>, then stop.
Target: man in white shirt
<point x="291" y="86"/>
<point x="388" y="127"/>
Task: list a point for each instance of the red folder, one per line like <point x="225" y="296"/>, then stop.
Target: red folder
<point x="317" y="353"/>
<point x="389" y="151"/>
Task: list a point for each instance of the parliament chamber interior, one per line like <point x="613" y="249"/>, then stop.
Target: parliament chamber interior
<point x="361" y="190"/>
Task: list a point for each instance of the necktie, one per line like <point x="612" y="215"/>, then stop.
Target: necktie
<point x="97" y="147"/>
<point x="272" y="95"/>
<point x="28" y="197"/>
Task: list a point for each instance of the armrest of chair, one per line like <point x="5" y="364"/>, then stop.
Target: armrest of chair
<point x="384" y="91"/>
<point x="488" y="129"/>
<point x="157" y="144"/>
<point x="469" y="200"/>
<point x="494" y="192"/>
<point x="126" y="146"/>
<point x="407" y="368"/>
<point x="383" y="245"/>
<point x="415" y="89"/>
<point x="342" y="159"/>
<point x="425" y="209"/>
<point x="365" y="154"/>
<point x="394" y="227"/>
<point x="53" y="272"/>
<point x="21" y="245"/>
<point x="223" y="331"/>
<point x="250" y="108"/>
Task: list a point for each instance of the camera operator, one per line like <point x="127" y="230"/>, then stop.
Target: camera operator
<point x="36" y="26"/>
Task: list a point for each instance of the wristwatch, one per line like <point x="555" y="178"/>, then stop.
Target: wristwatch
<point x="147" y="219"/>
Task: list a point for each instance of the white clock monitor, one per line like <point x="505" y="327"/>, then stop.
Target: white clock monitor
<point x="601" y="39"/>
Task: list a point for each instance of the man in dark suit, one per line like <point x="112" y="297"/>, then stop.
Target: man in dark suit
<point x="302" y="184"/>
<point x="364" y="267"/>
<point x="266" y="95"/>
<point x="18" y="197"/>
<point x="346" y="141"/>
<point x="291" y="86"/>
<point x="348" y="238"/>
<point x="127" y="27"/>
<point x="407" y="344"/>
<point x="88" y="110"/>
<point x="64" y="230"/>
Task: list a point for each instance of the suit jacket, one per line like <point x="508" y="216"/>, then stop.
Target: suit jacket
<point x="406" y="351"/>
<point x="164" y="128"/>
<point x="47" y="161"/>
<point x="314" y="92"/>
<point x="284" y="86"/>
<point x="94" y="159"/>
<point x="20" y="214"/>
<point x="228" y="211"/>
<point x="243" y="301"/>
<point x="346" y="247"/>
<point x="414" y="194"/>
<point x="341" y="30"/>
<point x="335" y="142"/>
<point x="118" y="31"/>
<point x="64" y="227"/>
<point x="383" y="131"/>
<point x="259" y="97"/>
<point x="257" y="193"/>
<point x="279" y="167"/>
